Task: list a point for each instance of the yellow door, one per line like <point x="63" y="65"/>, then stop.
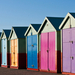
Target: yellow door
<point x="14" y="52"/>
<point x="16" y="57"/>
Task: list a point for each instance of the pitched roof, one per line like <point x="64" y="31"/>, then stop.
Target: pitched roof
<point x="73" y="14"/>
<point x="7" y="32"/>
<point x="36" y="26"/>
<point x="20" y="31"/>
<point x="56" y="21"/>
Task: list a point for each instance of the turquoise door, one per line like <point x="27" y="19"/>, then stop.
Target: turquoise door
<point x="4" y="52"/>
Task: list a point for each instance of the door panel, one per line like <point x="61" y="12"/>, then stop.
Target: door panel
<point x="2" y="52"/>
<point x="12" y="52"/>
<point x="52" y="50"/>
<point x="44" y="47"/>
<point x="29" y="51"/>
<point x="66" y="57"/>
<point x="66" y="35"/>
<point x="16" y="54"/>
<point x="5" y="52"/>
<point x="73" y="59"/>
<point x="35" y="62"/>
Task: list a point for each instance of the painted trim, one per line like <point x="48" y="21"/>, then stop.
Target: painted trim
<point x="26" y="33"/>
<point x="45" y="20"/>
<point x="68" y="15"/>
<point x="12" y="33"/>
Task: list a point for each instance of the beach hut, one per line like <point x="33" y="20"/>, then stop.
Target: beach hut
<point x="17" y="47"/>
<point x="68" y="44"/>
<point x="50" y="45"/>
<point x="32" y="47"/>
<point x="0" y="48"/>
<point x="5" y="51"/>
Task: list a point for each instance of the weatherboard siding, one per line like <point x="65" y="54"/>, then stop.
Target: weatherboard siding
<point x="22" y="45"/>
<point x="32" y="30"/>
<point x="58" y="41"/>
<point x="48" y="27"/>
<point x="13" y="35"/>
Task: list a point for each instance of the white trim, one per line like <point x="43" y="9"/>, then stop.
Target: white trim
<point x="29" y="28"/>
<point x="12" y="33"/>
<point x="68" y="15"/>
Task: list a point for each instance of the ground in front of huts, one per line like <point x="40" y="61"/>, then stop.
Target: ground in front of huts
<point x="8" y="71"/>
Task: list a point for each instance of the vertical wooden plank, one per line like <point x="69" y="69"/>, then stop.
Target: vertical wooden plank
<point x="16" y="55"/>
<point x="52" y="50"/>
<point x="44" y="47"/>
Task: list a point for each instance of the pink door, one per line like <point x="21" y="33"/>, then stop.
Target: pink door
<point x="44" y="47"/>
<point x="51" y="50"/>
<point x="48" y="51"/>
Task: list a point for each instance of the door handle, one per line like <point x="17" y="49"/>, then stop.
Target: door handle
<point x="47" y="50"/>
<point x="32" y="65"/>
<point x="13" y="52"/>
<point x="14" y="62"/>
<point x="72" y="57"/>
<point x="32" y="45"/>
<point x="71" y="41"/>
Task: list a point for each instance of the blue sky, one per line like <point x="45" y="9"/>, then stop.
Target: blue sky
<point x="25" y="12"/>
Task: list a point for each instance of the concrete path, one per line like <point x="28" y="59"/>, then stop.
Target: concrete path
<point x="8" y="71"/>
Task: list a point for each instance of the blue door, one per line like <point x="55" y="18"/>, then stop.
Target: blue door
<point x="32" y="52"/>
<point x="4" y="52"/>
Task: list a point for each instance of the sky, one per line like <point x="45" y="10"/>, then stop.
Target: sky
<point x="26" y="12"/>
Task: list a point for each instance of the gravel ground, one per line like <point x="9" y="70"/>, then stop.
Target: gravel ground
<point x="8" y="71"/>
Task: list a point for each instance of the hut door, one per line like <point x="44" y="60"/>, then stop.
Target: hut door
<point x="48" y="51"/>
<point x="51" y="50"/>
<point x="4" y="52"/>
<point x="66" y="50"/>
<point x="44" y="53"/>
<point x="32" y="52"/>
<point x="14" y="52"/>
<point x="29" y="52"/>
<point x="73" y="50"/>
